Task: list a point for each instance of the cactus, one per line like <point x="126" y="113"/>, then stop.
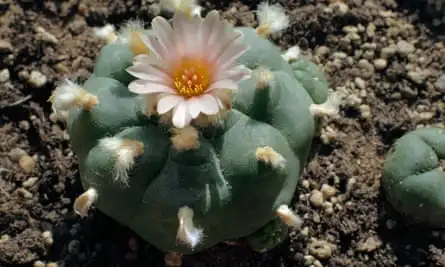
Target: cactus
<point x="184" y="189"/>
<point x="413" y="178"/>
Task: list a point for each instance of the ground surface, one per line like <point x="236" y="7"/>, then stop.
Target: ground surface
<point x="385" y="99"/>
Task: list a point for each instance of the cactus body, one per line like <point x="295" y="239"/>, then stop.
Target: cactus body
<point x="231" y="192"/>
<point x="413" y="180"/>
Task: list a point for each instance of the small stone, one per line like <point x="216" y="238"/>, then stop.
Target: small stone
<point x="390" y="224"/>
<point x="24" y="193"/>
<point x="30" y="182"/>
<point x="4" y="75"/>
<point x="342" y="8"/>
<point x="316" y="198"/>
<point x="16" y="153"/>
<point x="77" y="27"/>
<point x="388" y="51"/>
<point x="305" y="184"/>
<point x="51" y="264"/>
<point x="37" y="79"/>
<point x="365" y="111"/>
<point x="27" y="163"/>
<point x="44" y="35"/>
<point x="380" y="63"/>
<point x="418" y="77"/>
<point x="5" y="46"/>
<point x="328" y="191"/>
<point x="322" y="51"/>
<point x="404" y="48"/>
<point x="308" y="259"/>
<point x="317" y="263"/>
<point x="4" y="238"/>
<point x="74" y="247"/>
<point x="48" y="238"/>
<point x="320" y="249"/>
<point x="370" y="30"/>
<point x="372" y="243"/>
<point x="440" y="83"/>
<point x="360" y="83"/>
<point x="39" y="264"/>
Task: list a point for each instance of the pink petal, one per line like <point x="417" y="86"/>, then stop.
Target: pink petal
<point x="223" y="84"/>
<point x="231" y="55"/>
<point x="235" y="74"/>
<point x="149" y="73"/>
<point x="181" y="116"/>
<point x="223" y="45"/>
<point x="168" y="102"/>
<point x="164" y="32"/>
<point x="209" y="24"/>
<point x="147" y="87"/>
<point x="155" y="46"/>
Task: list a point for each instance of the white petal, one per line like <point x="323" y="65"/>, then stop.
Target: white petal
<point x="147" y="87"/>
<point x="164" y="32"/>
<point x="223" y="84"/>
<point x="181" y="116"/>
<point x="194" y="107"/>
<point x="231" y="55"/>
<point x="168" y="102"/>
<point x="155" y="46"/>
<point x="208" y="104"/>
<point x="235" y="74"/>
<point x="149" y="73"/>
<point x="224" y="44"/>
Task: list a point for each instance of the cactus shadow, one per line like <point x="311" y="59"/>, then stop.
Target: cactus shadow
<point x="409" y="242"/>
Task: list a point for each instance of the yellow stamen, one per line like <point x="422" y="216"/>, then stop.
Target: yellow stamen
<point x="191" y="77"/>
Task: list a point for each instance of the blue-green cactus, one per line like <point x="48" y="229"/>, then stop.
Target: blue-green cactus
<point x="413" y="178"/>
<point x="236" y="182"/>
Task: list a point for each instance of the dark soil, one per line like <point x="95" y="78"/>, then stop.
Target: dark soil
<point x="382" y="103"/>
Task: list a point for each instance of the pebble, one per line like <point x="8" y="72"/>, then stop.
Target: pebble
<point x="360" y="83"/>
<point x="316" y="198"/>
<point x="328" y="191"/>
<point x="46" y="36"/>
<point x="16" y="153"/>
<point x="388" y="51"/>
<point x="4" y="75"/>
<point x="24" y="193"/>
<point x="27" y="163"/>
<point x="74" y="247"/>
<point x="380" y="63"/>
<point x="418" y="77"/>
<point x="322" y="51"/>
<point x="370" y="244"/>
<point x="404" y="48"/>
<point x="5" y="46"/>
<point x="440" y="83"/>
<point x="39" y="264"/>
<point x="48" y="238"/>
<point x="51" y="264"/>
<point x="317" y="263"/>
<point x="309" y="259"/>
<point x="37" y="79"/>
<point x="77" y="27"/>
<point x="365" y="111"/>
<point x="320" y="249"/>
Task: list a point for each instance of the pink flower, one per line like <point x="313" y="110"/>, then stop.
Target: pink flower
<point x="192" y="68"/>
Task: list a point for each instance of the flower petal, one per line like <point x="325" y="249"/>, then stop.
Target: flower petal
<point x="164" y="32"/>
<point x="148" y="87"/>
<point x="193" y="107"/>
<point x="166" y="103"/>
<point x="208" y="104"/>
<point x="223" y="84"/>
<point x="224" y="44"/>
<point x="149" y="73"/>
<point x="235" y="74"/>
<point x="181" y="116"/>
<point x="231" y="55"/>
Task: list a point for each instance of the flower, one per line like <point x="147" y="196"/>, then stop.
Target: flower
<point x="192" y="68"/>
<point x="272" y="19"/>
<point x="189" y="7"/>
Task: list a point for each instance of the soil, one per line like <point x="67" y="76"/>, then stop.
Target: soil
<point x="43" y="42"/>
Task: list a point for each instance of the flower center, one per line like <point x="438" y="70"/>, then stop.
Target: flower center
<point x="191" y="77"/>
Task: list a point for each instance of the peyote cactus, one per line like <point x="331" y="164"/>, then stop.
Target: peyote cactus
<point x="413" y="178"/>
<point x="187" y="181"/>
